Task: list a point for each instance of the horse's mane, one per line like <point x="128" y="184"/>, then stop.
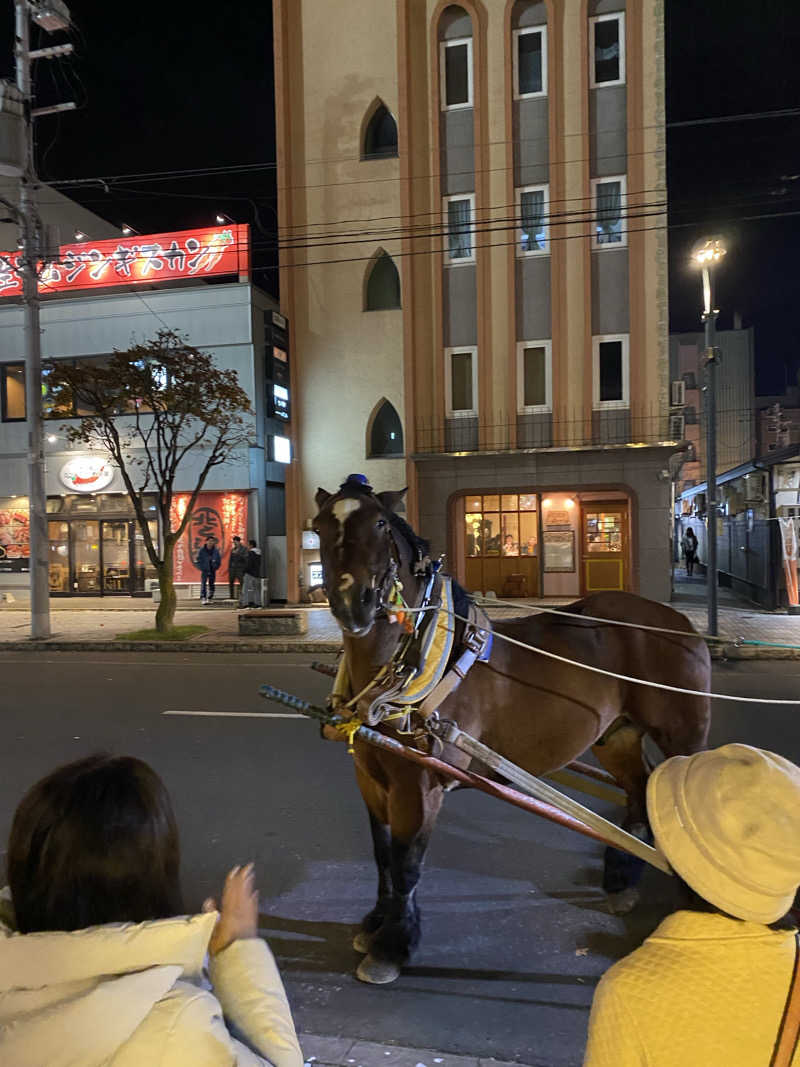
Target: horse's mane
<point x="419" y="544"/>
<point x="461" y="598"/>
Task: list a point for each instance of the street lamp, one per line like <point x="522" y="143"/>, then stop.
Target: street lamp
<point x="708" y="254"/>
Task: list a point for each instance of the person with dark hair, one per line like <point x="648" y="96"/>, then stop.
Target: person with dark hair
<point x="99" y="965"/>
<point x="251" y="592"/>
<point x="208" y="563"/>
<point x="710" y="986"/>
<point x="237" y="564"/>
<point x="689" y="546"/>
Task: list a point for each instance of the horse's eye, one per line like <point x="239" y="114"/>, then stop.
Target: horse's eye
<point x="380" y="524"/>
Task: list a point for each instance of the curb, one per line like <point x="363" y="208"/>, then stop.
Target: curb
<point x="718" y="652"/>
<point x="739" y="652"/>
<point x="54" y="645"/>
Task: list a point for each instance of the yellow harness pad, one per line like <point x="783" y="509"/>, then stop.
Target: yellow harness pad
<point x="438" y="653"/>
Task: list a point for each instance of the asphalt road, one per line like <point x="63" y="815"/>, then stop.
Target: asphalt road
<point x="515" y="931"/>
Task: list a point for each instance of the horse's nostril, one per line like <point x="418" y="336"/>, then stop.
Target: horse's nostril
<point x="366" y="597"/>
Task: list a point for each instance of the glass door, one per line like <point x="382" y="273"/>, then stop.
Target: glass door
<point x="86" y="557"/>
<point x="142" y="567"/>
<point x="605" y="547"/>
<point x="116" y="559"/>
<point x="58" y="557"/>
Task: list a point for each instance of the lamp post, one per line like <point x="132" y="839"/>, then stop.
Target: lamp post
<point x="708" y="254"/>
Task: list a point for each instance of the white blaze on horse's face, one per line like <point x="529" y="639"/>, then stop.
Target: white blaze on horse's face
<point x="341" y="510"/>
<point x="347" y="528"/>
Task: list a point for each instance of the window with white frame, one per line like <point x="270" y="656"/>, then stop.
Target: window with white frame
<point x="611" y="371"/>
<point x="534" y="377"/>
<point x="533" y="203"/>
<point x="609" y="229"/>
<point x="607" y="44"/>
<point x="530" y="62"/>
<point x="461" y="381"/>
<point x="459" y="228"/>
<point x="455" y="60"/>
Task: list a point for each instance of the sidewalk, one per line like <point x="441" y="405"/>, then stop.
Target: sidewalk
<point x="92" y="625"/>
<point x="349" y="1052"/>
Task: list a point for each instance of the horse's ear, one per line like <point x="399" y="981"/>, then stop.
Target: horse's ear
<point x="390" y="500"/>
<point x="322" y="498"/>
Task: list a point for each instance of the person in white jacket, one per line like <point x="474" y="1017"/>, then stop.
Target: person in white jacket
<point x="97" y="964"/>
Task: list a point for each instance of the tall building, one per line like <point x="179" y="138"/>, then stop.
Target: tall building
<point x="736" y="406"/>
<point x="474" y="264"/>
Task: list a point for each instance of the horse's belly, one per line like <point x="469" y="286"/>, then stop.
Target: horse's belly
<point x="536" y="731"/>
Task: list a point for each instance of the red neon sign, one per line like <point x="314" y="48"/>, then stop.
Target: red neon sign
<point x="138" y="260"/>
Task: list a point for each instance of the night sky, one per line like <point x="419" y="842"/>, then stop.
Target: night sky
<point x="176" y="86"/>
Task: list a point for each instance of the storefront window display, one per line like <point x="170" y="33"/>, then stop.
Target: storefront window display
<point x="14" y="535"/>
<point x="93" y="555"/>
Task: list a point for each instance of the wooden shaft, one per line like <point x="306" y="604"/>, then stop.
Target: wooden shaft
<point x="477" y="781"/>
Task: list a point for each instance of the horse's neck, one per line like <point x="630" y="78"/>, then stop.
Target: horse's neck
<point x="366" y="655"/>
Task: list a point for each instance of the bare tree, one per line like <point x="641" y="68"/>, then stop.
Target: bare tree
<point x="150" y="407"/>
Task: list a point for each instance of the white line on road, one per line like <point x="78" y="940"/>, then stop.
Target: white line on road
<point x="239" y="714"/>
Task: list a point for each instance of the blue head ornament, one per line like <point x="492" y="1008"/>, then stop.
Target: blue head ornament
<point x="356" y="481"/>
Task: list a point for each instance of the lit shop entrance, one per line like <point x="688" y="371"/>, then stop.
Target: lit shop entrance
<point x="96" y="546"/>
<point x="556" y="544"/>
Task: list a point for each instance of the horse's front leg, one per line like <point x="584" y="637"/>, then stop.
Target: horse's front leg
<point x="375" y="796"/>
<point x="382" y="848"/>
<point x="414" y="802"/>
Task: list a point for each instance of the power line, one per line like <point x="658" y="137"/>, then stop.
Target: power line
<point x="165" y="175"/>
<point x="764" y="216"/>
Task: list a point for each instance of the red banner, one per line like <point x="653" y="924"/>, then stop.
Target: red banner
<point x="220" y="515"/>
<point x="157" y="257"/>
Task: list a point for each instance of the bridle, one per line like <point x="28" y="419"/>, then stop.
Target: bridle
<point x="389" y="589"/>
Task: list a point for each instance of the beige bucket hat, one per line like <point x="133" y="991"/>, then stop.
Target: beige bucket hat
<point x="728" y="821"/>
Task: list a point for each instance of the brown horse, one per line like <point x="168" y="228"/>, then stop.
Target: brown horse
<point x="539" y="713"/>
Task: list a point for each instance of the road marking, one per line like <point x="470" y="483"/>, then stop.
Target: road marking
<point x="238" y="714"/>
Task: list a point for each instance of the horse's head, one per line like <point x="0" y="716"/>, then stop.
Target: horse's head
<point x="359" y="554"/>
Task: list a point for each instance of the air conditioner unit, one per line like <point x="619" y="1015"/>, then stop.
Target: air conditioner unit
<point x="678" y="393"/>
<point x="676" y="424"/>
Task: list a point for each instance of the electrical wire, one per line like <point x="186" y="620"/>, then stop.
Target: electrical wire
<point x="164" y="175"/>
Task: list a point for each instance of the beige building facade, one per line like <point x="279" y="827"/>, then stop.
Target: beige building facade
<point x="473" y="262"/>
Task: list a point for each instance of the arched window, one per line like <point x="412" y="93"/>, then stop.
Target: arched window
<point x="385" y="437"/>
<point x="380" y="136"/>
<point x="382" y="291"/>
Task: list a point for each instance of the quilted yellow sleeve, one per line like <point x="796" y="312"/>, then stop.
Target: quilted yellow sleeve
<point x="614" y="1039"/>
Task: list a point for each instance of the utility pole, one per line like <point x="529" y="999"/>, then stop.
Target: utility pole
<point x="51" y="15"/>
<point x="711" y="360"/>
<point x="708" y="254"/>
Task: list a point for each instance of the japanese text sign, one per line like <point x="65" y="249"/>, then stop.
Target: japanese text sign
<point x="136" y="260"/>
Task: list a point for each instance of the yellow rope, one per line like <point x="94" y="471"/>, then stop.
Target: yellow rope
<point x="350" y="728"/>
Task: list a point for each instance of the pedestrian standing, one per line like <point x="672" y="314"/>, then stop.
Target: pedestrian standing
<point x="99" y="962"/>
<point x="689" y="546"/>
<point x="251" y="594"/>
<point x="237" y="565"/>
<point x="208" y="561"/>
<point x="710" y="985"/>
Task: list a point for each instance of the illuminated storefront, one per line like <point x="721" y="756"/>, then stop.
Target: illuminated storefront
<point x="102" y="296"/>
<point x="554" y="543"/>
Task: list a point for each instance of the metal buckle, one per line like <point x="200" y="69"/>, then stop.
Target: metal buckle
<point x="475" y="640"/>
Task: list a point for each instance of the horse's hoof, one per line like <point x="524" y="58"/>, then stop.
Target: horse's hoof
<point x="377" y="972"/>
<point x="362" y="941"/>
<point x="623" y="902"/>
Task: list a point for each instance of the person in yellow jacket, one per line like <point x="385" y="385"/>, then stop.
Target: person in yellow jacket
<point x="97" y="964"/>
<point x="708" y="988"/>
